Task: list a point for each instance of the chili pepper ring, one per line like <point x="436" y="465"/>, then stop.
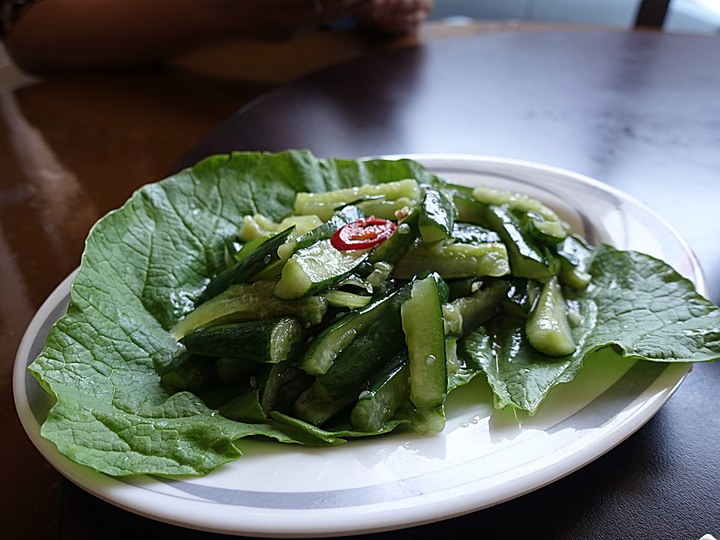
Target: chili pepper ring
<point x="362" y="234"/>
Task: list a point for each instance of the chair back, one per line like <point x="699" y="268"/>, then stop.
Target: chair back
<point x="651" y="14"/>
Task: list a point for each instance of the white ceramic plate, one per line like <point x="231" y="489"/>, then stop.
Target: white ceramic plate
<point x="482" y="458"/>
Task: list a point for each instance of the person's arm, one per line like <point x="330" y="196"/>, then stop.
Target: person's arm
<point x="58" y="35"/>
<point x="394" y="16"/>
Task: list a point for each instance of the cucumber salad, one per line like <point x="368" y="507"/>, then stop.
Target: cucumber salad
<point x="350" y="314"/>
<point x="313" y="301"/>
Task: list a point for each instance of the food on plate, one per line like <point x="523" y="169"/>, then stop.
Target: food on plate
<point x="313" y="301"/>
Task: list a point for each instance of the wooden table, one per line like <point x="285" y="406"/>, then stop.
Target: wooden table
<point x="639" y="111"/>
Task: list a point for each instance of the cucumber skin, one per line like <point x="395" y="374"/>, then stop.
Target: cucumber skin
<point x="247" y="267"/>
<point x="395" y="247"/>
<point x="250" y="302"/>
<point x="424" y="329"/>
<point x="527" y="259"/>
<point x="254" y="340"/>
<point x="437" y="216"/>
<point x="323" y="350"/>
<point x="343" y="216"/>
<point x="377" y="405"/>
<point x="303" y="274"/>
<point x="368" y="352"/>
<point x="547" y="327"/>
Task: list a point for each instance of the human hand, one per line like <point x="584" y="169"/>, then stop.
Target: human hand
<point x="394" y="16"/>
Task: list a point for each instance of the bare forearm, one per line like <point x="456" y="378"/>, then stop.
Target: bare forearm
<point x="56" y="35"/>
<point x="61" y="35"/>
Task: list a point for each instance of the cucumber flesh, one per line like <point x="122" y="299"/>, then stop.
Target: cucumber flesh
<point x="423" y="326"/>
<point x="454" y="261"/>
<point x="247" y="267"/>
<point x="247" y="302"/>
<point x="395" y="247"/>
<point x="542" y="218"/>
<point x="324" y="231"/>
<point x="315" y="407"/>
<point x="315" y="268"/>
<point x="547" y="327"/>
<point x="465" y="314"/>
<point x="575" y="257"/>
<point x="325" y="348"/>
<point x="394" y="196"/>
<point x="437" y="216"/>
<point x="377" y="405"/>
<point x="527" y="258"/>
<point x="368" y="352"/>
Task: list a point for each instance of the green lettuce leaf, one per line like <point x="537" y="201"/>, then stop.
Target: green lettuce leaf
<point x="637" y="307"/>
<point x="143" y="267"/>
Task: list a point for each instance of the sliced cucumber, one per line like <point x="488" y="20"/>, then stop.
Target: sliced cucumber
<point x="257" y="341"/>
<point x="325" y="348"/>
<point x="423" y="326"/>
<point x="345" y="299"/>
<point x="315" y="407"/>
<point x="547" y="327"/>
<point x="315" y="268"/>
<point x="527" y="258"/>
<point x="382" y="200"/>
<point x="367" y="353"/>
<point x="247" y="267"/>
<point x="469" y="233"/>
<point x="466" y="313"/>
<point x="323" y="231"/>
<point x="388" y="390"/>
<point x="453" y="261"/>
<point x="437" y="216"/>
<point x="282" y="385"/>
<point x="549" y="227"/>
<point x="575" y="256"/>
<point x="395" y="247"/>
<point x="521" y="298"/>
<point x="251" y="301"/>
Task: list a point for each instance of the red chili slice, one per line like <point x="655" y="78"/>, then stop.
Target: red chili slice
<point x="362" y="234"/>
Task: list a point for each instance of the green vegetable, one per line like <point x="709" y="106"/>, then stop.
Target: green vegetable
<point x="380" y="200"/>
<point x="324" y="349"/>
<point x="256" y="341"/>
<point x="437" y="217"/>
<point x="323" y="231"/>
<point x="423" y="326"/>
<point x="454" y="261"/>
<point x="143" y="284"/>
<point x="249" y="302"/>
<point x="547" y="327"/>
<point x="247" y="266"/>
<point x="367" y="352"/>
<point x="314" y="269"/>
<point x="527" y="257"/>
<point x="388" y="391"/>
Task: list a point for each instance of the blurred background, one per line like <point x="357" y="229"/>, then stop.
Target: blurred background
<point x="697" y="16"/>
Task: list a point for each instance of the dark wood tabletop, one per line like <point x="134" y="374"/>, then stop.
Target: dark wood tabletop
<point x="639" y="111"/>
